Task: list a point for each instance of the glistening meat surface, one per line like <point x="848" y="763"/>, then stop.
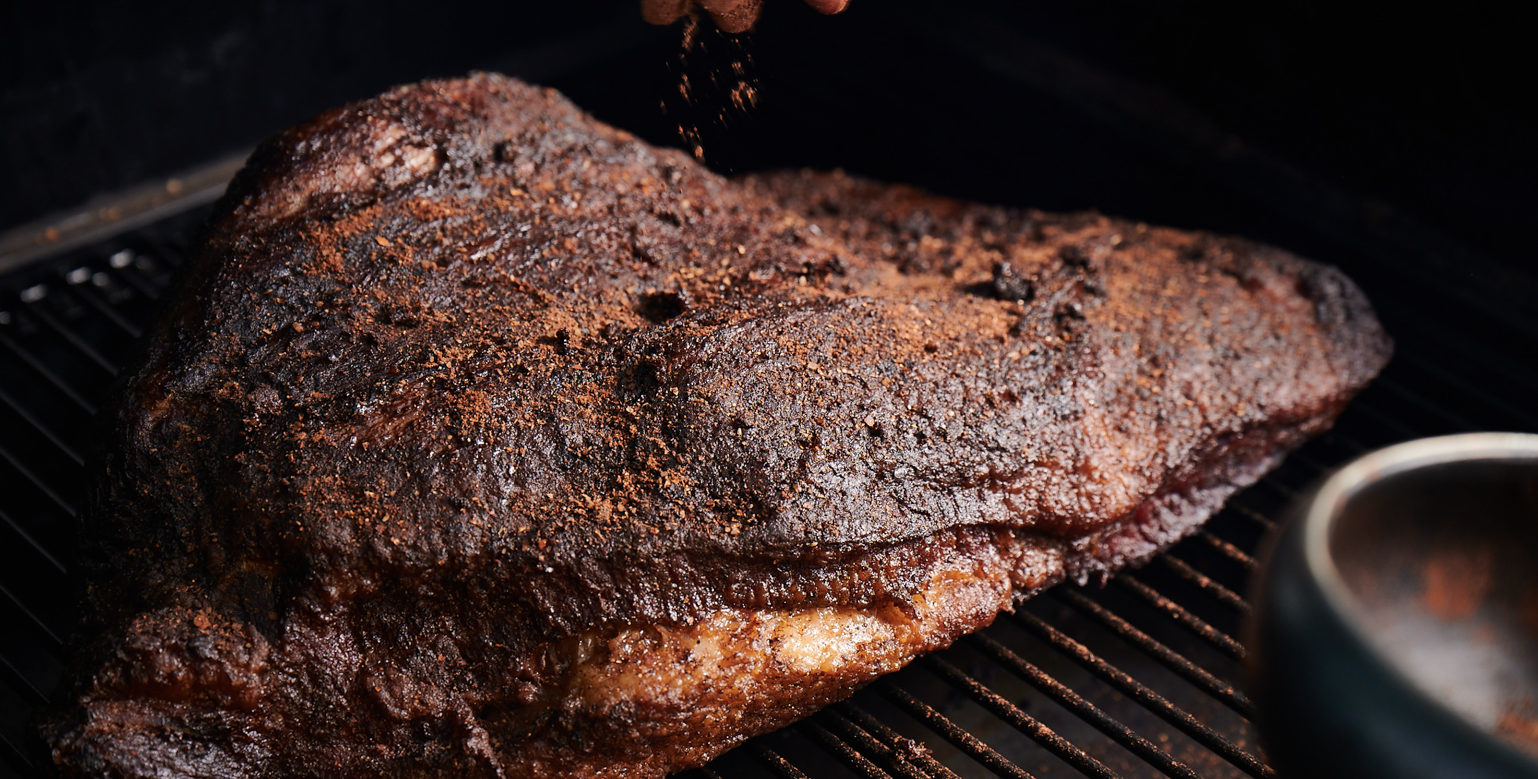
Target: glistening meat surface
<point x="485" y="439"/>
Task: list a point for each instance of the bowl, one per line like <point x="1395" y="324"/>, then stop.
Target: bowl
<point x="1395" y="629"/>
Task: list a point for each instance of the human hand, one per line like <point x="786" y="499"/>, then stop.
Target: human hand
<point x="730" y="15"/>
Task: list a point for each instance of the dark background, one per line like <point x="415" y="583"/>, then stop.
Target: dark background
<point x="1199" y="113"/>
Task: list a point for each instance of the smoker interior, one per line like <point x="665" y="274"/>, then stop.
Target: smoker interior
<point x="1141" y="677"/>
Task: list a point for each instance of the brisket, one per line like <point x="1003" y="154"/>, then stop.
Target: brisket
<point x="485" y="439"/>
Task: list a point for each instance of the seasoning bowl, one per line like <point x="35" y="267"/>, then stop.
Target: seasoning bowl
<point x="1395" y="629"/>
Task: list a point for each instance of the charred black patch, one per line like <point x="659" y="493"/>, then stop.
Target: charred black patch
<point x="1068" y="312"/>
<point x="644" y="377"/>
<point x="1075" y="256"/>
<point x="821" y="270"/>
<point x="404" y="317"/>
<point x="1008" y="284"/>
<point x="560" y="342"/>
<point x="659" y="307"/>
<point x="670" y="215"/>
<point x="826" y="207"/>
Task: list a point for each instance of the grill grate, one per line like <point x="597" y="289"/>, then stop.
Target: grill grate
<point x="1137" y="678"/>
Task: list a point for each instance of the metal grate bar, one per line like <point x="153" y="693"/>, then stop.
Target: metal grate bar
<point x="19" y="681"/>
<point x="842" y="750"/>
<point x="1343" y="446"/>
<point x="1204" y="582"/>
<point x="1348" y="430"/>
<point x="108" y="312"/>
<point x="1300" y="480"/>
<point x="47" y="374"/>
<point x="1473" y="350"/>
<point x="17" y="756"/>
<point x="1145" y="696"/>
<point x="37" y="481"/>
<point x="1346" y="440"/>
<point x="950" y="731"/>
<point x="37" y="424"/>
<point x="774" y="762"/>
<point x="1238" y="531"/>
<point x="1292" y="467"/>
<point x="1169" y="658"/>
<point x="37" y="622"/>
<point x="870" y="745"/>
<point x="1299" y="457"/>
<point x="1183" y="616"/>
<point x="902" y="749"/>
<point x="1285" y="491"/>
<point x="73" y="339"/>
<point x="1484" y="397"/>
<point x="1458" y="421"/>
<point x="36" y="545"/>
<point x="136" y="282"/>
<point x="1021" y="721"/>
<point x="1400" y="429"/>
<point x="1083" y="709"/>
<point x="1251" y="514"/>
<point x="163" y="251"/>
<point x="1226" y="549"/>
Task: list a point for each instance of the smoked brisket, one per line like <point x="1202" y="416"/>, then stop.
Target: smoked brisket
<point x="487" y="440"/>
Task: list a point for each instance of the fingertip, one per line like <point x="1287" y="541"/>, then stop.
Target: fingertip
<point x="663" y="12"/>
<point x="828" y="6"/>
<point x="733" y="16"/>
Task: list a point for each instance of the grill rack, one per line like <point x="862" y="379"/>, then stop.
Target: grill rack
<point x="1138" y="678"/>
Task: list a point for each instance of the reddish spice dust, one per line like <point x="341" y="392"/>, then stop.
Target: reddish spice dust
<point x="1520" y="724"/>
<point x="709" y="95"/>
<point x="1456" y="583"/>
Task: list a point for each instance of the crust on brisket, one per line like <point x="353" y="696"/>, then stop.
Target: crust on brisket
<point x="485" y="439"/>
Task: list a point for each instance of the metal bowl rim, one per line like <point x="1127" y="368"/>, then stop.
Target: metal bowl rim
<point x="1321" y="511"/>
